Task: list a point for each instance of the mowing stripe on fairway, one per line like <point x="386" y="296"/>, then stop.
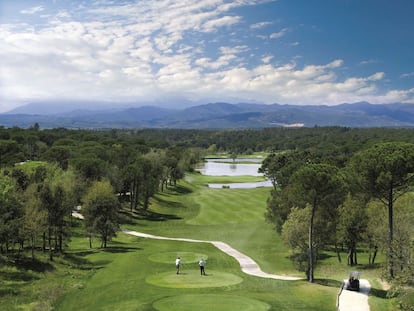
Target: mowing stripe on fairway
<point x="210" y="302"/>
<point x="242" y="205"/>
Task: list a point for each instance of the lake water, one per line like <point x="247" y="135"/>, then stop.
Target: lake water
<point x="244" y="185"/>
<point x="216" y="167"/>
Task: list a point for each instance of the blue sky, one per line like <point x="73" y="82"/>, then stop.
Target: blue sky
<point x="179" y="53"/>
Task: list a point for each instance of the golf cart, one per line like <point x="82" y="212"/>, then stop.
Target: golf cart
<point x="353" y="281"/>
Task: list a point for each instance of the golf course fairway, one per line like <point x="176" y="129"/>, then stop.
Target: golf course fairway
<point x="210" y="302"/>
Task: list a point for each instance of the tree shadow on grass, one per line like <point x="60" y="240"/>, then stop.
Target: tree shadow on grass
<point x="154" y="216"/>
<point x="114" y="249"/>
<point x="328" y="283"/>
<point x="9" y="291"/>
<point x="324" y="256"/>
<point x="128" y="217"/>
<point x="24" y="269"/>
<point x="179" y="189"/>
<point x="77" y="259"/>
<point x="380" y="293"/>
<point x="374" y="266"/>
<point x="170" y="204"/>
<point x="20" y="275"/>
<point x="34" y="264"/>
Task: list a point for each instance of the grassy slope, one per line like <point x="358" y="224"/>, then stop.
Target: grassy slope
<point x="115" y="279"/>
<point x="121" y="283"/>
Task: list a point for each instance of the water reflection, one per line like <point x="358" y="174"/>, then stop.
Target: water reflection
<point x="228" y="167"/>
<point x="244" y="185"/>
<point x="214" y="168"/>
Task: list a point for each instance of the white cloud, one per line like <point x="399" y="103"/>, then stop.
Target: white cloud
<point x="32" y="10"/>
<point x="369" y="62"/>
<point x="213" y="25"/>
<point x="279" y="34"/>
<point x="260" y="25"/>
<point x="266" y="59"/>
<point x="407" y="75"/>
<point x="155" y="49"/>
<point x="393" y="96"/>
<point x="376" y="76"/>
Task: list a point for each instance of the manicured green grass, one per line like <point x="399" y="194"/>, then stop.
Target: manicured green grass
<point x="129" y="280"/>
<point x="139" y="274"/>
<point x="186" y="257"/>
<point x="229" y="206"/>
<point x="204" y="180"/>
<point x="254" y="155"/>
<point x="210" y="302"/>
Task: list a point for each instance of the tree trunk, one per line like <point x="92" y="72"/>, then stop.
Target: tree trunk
<point x="136" y="198"/>
<point x="33" y="245"/>
<point x="131" y="195"/>
<point x="310" y="246"/>
<point x="50" y="246"/>
<point x="44" y="242"/>
<point x="350" y="257"/>
<point x="375" y="254"/>
<point x="390" y="232"/>
<point x="61" y="240"/>
<point x="355" y="257"/>
<point x="338" y="254"/>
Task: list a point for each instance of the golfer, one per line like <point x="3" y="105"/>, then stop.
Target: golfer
<point x="202" y="263"/>
<point x="177" y="264"/>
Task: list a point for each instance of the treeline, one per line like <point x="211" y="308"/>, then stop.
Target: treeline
<point x="46" y="172"/>
<point x="362" y="202"/>
<point x="18" y="144"/>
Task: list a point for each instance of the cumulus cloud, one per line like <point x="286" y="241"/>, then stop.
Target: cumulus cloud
<point x="151" y="50"/>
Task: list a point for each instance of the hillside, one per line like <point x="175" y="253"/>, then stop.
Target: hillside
<point x="212" y="115"/>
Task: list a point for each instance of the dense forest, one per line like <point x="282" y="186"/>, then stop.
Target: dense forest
<point x="334" y="180"/>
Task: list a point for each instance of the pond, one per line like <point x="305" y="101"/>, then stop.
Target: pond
<point x="243" y="185"/>
<point x="228" y="167"/>
<point x="216" y="167"/>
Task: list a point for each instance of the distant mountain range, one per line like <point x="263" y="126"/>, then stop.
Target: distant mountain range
<point x="210" y="116"/>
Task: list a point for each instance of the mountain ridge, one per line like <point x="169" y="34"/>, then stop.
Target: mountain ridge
<point x="212" y="115"/>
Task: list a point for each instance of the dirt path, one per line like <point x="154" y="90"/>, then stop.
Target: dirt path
<point x="248" y="265"/>
<point x="355" y="301"/>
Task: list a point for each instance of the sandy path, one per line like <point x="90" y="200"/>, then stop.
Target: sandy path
<point x="355" y="301"/>
<point x="248" y="265"/>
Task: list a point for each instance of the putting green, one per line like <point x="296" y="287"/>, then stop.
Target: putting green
<point x="193" y="279"/>
<point x="210" y="302"/>
<point x="169" y="257"/>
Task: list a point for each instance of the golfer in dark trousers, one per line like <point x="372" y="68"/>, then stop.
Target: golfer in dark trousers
<point x="177" y="264"/>
<point x="202" y="264"/>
